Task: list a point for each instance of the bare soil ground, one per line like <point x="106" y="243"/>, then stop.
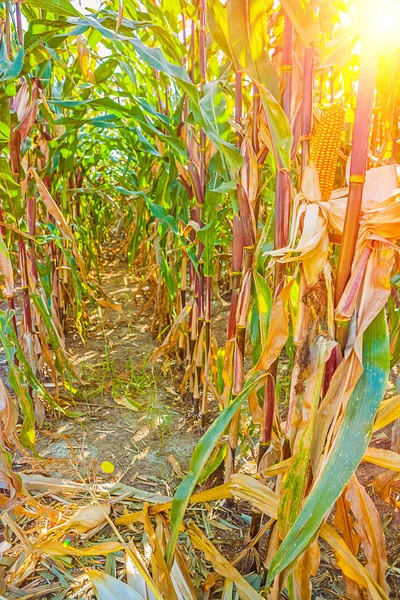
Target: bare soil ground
<point x="129" y="412"/>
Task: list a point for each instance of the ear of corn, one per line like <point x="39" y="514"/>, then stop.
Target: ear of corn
<point x="325" y="147"/>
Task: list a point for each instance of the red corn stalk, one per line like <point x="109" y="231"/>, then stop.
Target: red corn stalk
<point x="18" y="18"/>
<point x="8" y="33"/>
<point x="358" y="166"/>
<point x="306" y="106"/>
<point x="287" y="58"/>
<point x="237" y="260"/>
<point x="281" y="235"/>
<point x="238" y="105"/>
<point x="31" y="220"/>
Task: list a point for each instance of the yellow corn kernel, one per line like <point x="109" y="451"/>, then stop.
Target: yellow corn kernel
<point x="325" y="147"/>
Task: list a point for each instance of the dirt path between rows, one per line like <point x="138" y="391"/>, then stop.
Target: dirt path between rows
<point x="128" y="413"/>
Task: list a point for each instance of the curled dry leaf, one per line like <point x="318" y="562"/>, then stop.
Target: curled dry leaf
<point x="369" y="528"/>
<point x="59" y="549"/>
<point x="344" y="522"/>
<point x="176" y="466"/>
<point x="386" y="483"/>
<point x="8" y="412"/>
<point x="259" y="495"/>
<point x="124" y="403"/>
<point x="88" y="517"/>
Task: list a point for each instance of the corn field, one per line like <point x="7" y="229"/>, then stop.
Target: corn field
<point x="241" y="158"/>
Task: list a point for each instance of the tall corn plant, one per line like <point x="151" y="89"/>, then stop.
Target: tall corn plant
<point x="314" y="473"/>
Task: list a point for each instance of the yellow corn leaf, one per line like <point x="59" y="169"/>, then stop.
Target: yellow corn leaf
<point x="388" y="412"/>
<point x="161" y="573"/>
<point x="120" y="15"/>
<point x="136" y="559"/>
<point x="369" y="528"/>
<point x="218" y="493"/>
<point x="221" y="564"/>
<point x="349" y="565"/>
<point x="59" y="549"/>
<point x="176" y="467"/>
<point x="227" y="593"/>
<point x="306" y="568"/>
<point x="383" y="458"/>
<point x="180" y="574"/>
<point x="130" y="518"/>
<point x="36" y="510"/>
<point x="276" y="469"/>
<point x="259" y="495"/>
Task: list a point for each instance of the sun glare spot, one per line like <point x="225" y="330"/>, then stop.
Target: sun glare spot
<point x="380" y="23"/>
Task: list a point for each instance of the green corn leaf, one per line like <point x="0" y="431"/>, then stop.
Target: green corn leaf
<point x="247" y="27"/>
<point x="57" y="7"/>
<point x="218" y="24"/>
<point x="155" y="59"/>
<point x="207" y="235"/>
<point x="200" y="456"/>
<point x="209" y="121"/>
<point x="5" y="122"/>
<point x="11" y="70"/>
<point x="12" y="347"/>
<point x="348" y="449"/>
<point x="264" y="303"/>
<point x="279" y="127"/>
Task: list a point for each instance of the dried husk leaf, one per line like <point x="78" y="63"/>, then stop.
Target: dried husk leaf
<point x="369" y="528"/>
<point x="349" y="565"/>
<point x="259" y="495"/>
<point x="344" y="522"/>
<point x="59" y="549"/>
<point x="88" y="517"/>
